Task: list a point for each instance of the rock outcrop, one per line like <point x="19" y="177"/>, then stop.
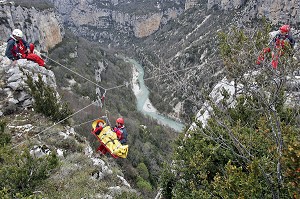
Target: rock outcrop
<point x="13" y="86"/>
<point x="278" y="11"/>
<point x="190" y="3"/>
<point x="24" y="124"/>
<point x="103" y="20"/>
<point x="42" y="27"/>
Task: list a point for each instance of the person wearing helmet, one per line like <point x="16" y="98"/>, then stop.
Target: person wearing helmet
<point x="278" y="44"/>
<point x="284" y="34"/>
<point x="18" y="48"/>
<point x="121" y="131"/>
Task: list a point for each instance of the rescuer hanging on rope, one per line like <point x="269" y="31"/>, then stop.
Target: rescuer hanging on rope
<point x="121" y="131"/>
<point x="108" y="140"/>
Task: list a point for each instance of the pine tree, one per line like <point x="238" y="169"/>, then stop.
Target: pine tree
<point x="46" y="100"/>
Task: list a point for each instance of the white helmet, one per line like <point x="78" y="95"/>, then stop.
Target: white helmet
<point x="17" y="32"/>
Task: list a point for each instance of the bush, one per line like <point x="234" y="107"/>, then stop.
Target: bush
<point x="144" y="185"/>
<point x="70" y="145"/>
<point x="45" y="100"/>
<point x="143" y="170"/>
<point x="2" y="125"/>
<point x="5" y="138"/>
<point x="21" y="173"/>
<point x="130" y="195"/>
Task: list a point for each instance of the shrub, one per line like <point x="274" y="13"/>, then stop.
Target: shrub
<point x="131" y="195"/>
<point x="5" y="138"/>
<point x="2" y="125"/>
<point x="143" y="170"/>
<point x="144" y="185"/>
<point x="45" y="100"/>
<point x="21" y="173"/>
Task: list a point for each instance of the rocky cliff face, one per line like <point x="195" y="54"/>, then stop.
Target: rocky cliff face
<point x="14" y="90"/>
<point x="23" y="124"/>
<point x="43" y="28"/>
<point x="115" y="20"/>
<point x="102" y="20"/>
<point x="278" y="11"/>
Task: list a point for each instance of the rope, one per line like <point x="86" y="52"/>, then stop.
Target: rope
<point x="156" y="76"/>
<point x="72" y="71"/>
<point x="84" y="122"/>
<point x="102" y="98"/>
<point x="54" y="125"/>
<point x="126" y="84"/>
<point x="105" y="110"/>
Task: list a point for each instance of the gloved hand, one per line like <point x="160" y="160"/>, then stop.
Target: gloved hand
<point x="115" y="129"/>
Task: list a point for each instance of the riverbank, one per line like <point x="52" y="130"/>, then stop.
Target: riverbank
<point x="144" y="105"/>
<point x="147" y="107"/>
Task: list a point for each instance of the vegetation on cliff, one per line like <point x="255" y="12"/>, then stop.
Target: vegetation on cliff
<point x="250" y="145"/>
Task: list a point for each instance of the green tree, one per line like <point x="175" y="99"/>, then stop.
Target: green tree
<point x="144" y="185"/>
<point x="248" y="147"/>
<point x="143" y="171"/>
<point x="46" y="100"/>
<point x="20" y="172"/>
<point x="5" y="138"/>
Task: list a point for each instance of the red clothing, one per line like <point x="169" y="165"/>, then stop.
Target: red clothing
<point x="102" y="149"/>
<point x="18" y="50"/>
<point x="37" y="59"/>
<point x="279" y="46"/>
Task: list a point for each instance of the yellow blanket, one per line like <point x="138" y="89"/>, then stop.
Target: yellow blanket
<point x="110" y="140"/>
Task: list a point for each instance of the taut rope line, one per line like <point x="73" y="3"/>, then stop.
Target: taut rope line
<point x="54" y="124"/>
<point x="75" y="73"/>
<point x="126" y="84"/>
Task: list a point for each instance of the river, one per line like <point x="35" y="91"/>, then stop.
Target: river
<point x="142" y="95"/>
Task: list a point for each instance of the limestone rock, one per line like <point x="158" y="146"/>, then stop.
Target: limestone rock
<point x="13" y="87"/>
<point x="278" y="11"/>
<point x="113" y="17"/>
<point x="43" y="28"/>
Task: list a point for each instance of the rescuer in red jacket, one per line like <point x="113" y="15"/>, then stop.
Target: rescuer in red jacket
<point x="278" y="45"/>
<point x="18" y="48"/>
<point x="121" y="131"/>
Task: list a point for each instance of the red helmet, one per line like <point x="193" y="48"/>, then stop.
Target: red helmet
<point x="120" y="120"/>
<point x="285" y="28"/>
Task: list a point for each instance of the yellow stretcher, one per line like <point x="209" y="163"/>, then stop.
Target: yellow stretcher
<point x="109" y="141"/>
